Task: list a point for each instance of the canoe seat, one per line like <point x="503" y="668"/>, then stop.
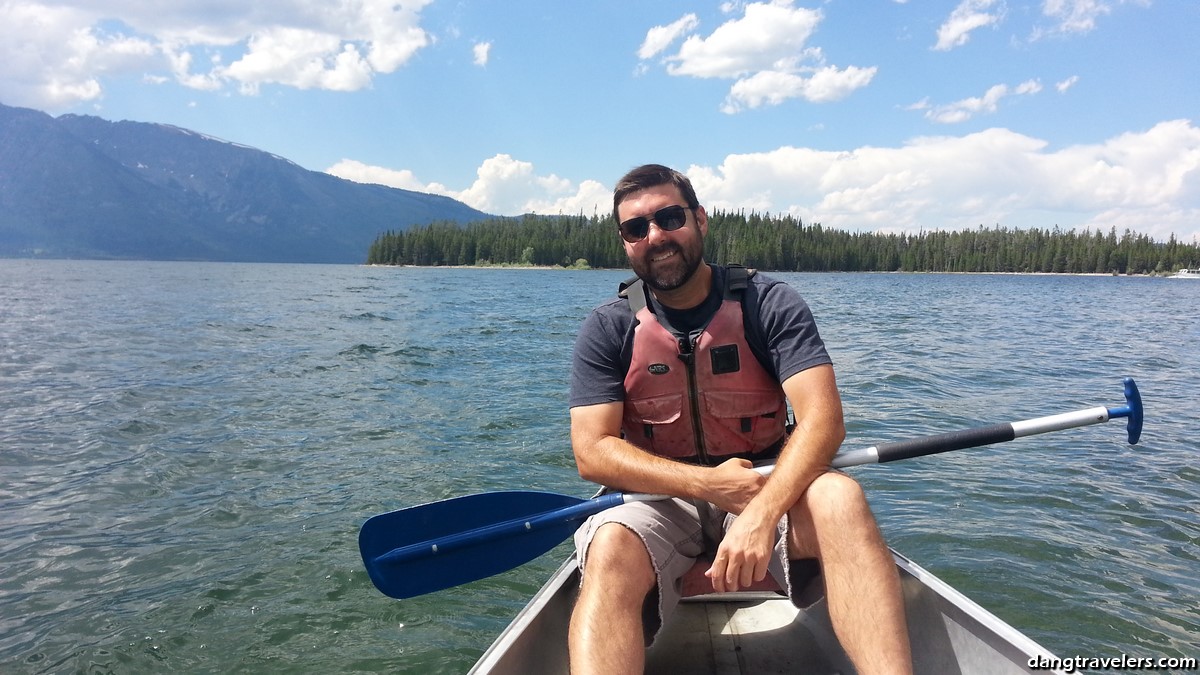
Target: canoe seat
<point x="695" y="583"/>
<point x="805" y="575"/>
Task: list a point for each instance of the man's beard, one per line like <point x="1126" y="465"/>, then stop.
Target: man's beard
<point x="669" y="274"/>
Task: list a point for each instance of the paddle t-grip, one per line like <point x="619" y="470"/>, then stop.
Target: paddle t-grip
<point x="1132" y="409"/>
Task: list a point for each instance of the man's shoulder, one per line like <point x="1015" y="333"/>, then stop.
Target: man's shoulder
<point x="614" y="307"/>
<point x="755" y="278"/>
<point x="763" y="279"/>
<point x="767" y="289"/>
<point x="612" y="317"/>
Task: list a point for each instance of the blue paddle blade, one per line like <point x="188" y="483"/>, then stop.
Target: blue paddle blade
<point x="443" y="544"/>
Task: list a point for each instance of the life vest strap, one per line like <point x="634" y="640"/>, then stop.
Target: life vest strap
<point x="737" y="279"/>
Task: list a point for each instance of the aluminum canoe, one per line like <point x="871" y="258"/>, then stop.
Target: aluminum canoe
<point x="763" y="633"/>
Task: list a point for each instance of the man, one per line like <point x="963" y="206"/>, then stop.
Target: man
<point x="674" y="390"/>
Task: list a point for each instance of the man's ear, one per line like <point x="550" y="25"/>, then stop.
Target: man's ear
<point x="702" y="220"/>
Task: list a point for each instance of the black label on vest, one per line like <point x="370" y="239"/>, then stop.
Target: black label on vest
<point x="658" y="368"/>
<point x="725" y="359"/>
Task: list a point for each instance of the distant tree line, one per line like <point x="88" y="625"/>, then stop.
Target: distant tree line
<point x="784" y="243"/>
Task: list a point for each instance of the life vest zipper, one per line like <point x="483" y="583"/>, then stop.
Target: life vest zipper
<point x="687" y="354"/>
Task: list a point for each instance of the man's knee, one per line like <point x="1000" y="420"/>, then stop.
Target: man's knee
<point x="835" y="495"/>
<point x="618" y="555"/>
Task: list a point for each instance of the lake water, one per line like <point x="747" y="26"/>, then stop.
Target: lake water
<point x="188" y="450"/>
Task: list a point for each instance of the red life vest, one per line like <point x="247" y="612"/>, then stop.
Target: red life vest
<point x="703" y="401"/>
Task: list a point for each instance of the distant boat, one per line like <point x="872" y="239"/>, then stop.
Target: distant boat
<point x="1186" y="273"/>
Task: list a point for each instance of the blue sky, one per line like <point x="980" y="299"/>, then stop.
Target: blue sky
<point x="882" y="115"/>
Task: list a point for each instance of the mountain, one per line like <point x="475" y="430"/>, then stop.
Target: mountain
<point x="78" y="186"/>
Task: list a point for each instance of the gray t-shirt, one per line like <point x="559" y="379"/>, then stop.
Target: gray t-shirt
<point x="779" y="326"/>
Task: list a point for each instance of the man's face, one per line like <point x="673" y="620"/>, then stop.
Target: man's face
<point x="664" y="260"/>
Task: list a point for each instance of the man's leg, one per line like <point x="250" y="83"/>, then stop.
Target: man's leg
<point x="833" y="523"/>
<point x="606" y="625"/>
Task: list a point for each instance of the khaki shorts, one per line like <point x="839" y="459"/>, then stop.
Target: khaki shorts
<point x="677" y="533"/>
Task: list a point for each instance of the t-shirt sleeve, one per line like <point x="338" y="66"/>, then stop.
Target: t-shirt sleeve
<point x="597" y="373"/>
<point x="790" y="331"/>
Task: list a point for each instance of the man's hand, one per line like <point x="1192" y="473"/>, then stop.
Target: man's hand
<point x="746" y="549"/>
<point x="744" y="553"/>
<point x="732" y="484"/>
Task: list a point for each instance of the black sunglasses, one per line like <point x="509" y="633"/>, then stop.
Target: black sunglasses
<point x="668" y="219"/>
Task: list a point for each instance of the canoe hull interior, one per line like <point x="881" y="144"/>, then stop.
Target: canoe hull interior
<point x="764" y="633"/>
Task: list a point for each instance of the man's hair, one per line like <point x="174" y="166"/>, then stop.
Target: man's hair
<point x="648" y="176"/>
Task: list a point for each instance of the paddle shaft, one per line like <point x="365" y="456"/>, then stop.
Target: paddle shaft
<point x="885" y="452"/>
<point x="1000" y="433"/>
<point x="439" y="545"/>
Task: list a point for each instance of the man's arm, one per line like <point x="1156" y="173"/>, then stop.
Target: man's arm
<point x="747" y="547"/>
<point x="603" y="457"/>
<point x="820" y="430"/>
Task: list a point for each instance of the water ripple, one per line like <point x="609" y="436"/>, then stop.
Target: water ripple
<point x="185" y="470"/>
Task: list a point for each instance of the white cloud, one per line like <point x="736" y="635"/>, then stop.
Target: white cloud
<point x="764" y="51"/>
<point x="364" y="173"/>
<point x="1075" y="16"/>
<point x="55" y="55"/>
<point x="482" y="52"/>
<point x="766" y="37"/>
<point x="301" y="58"/>
<point x="50" y="56"/>
<point x="590" y="197"/>
<point x="503" y="186"/>
<point x="1146" y="181"/>
<point x="775" y="87"/>
<point x="970" y="15"/>
<point x="1028" y="87"/>
<point x="961" y="111"/>
<point x="1066" y="84"/>
<point x="659" y="38"/>
<point x="923" y="104"/>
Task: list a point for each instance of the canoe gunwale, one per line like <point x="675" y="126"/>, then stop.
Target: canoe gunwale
<point x="550" y="592"/>
<point x="955" y="624"/>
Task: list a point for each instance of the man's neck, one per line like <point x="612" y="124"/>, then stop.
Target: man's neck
<point x="691" y="293"/>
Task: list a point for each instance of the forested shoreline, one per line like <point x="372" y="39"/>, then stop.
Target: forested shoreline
<point x="784" y="243"/>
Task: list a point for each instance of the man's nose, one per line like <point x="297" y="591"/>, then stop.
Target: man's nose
<point x="654" y="232"/>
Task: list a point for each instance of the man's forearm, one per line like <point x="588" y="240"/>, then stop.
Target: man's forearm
<point x="805" y="456"/>
<point x="820" y="430"/>
<point x="618" y="464"/>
